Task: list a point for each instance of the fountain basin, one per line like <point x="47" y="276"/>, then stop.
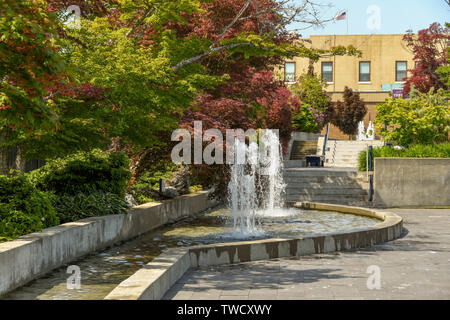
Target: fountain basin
<point x="156" y="278"/>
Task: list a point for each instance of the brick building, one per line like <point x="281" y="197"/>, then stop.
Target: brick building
<point x="382" y="68"/>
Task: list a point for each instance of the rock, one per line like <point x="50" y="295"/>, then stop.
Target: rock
<point x="181" y="181"/>
<point x="130" y="200"/>
<point x="170" y="193"/>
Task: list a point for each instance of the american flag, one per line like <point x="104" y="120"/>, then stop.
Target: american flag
<point x="341" y="16"/>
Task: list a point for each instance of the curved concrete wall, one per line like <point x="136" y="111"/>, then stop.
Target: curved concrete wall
<point x="156" y="278"/>
<point x="35" y="254"/>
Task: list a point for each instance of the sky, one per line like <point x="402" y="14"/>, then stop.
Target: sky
<point x="381" y="16"/>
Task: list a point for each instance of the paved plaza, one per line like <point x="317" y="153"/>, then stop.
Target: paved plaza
<point x="416" y="266"/>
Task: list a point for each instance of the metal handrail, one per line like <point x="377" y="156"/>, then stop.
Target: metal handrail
<point x="325" y="140"/>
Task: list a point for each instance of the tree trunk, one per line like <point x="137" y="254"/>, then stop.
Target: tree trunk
<point x="311" y="67"/>
<point x="19" y="161"/>
<point x="4" y="151"/>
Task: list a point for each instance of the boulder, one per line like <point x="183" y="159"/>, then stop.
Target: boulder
<point x="130" y="200"/>
<point x="181" y="181"/>
<point x="170" y="193"/>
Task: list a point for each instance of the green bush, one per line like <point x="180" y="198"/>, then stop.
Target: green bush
<point x="85" y="205"/>
<point x="316" y="103"/>
<point x="441" y="150"/>
<point x="420" y="119"/>
<point x="147" y="184"/>
<point x="304" y="121"/>
<point x="23" y="208"/>
<point x="84" y="172"/>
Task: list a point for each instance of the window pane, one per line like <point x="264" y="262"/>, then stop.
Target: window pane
<point x="401" y="66"/>
<point x="289" y="71"/>
<point x="364" y="71"/>
<point x="327" y="71"/>
<point x="365" y="67"/>
<point x="327" y="67"/>
<point x="400" y="70"/>
<point x="290" y="67"/>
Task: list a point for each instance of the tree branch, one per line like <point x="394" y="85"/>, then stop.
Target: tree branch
<point x="236" y="18"/>
<point x="209" y="51"/>
<point x="139" y="22"/>
<point x="287" y="15"/>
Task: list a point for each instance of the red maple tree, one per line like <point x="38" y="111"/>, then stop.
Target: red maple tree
<point x="429" y="47"/>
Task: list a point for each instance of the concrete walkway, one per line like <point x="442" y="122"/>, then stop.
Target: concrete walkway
<point x="417" y="266"/>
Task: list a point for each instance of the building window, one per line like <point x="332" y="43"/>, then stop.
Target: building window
<point x="400" y="70"/>
<point x="327" y="71"/>
<point x="364" y="71"/>
<point x="289" y="71"/>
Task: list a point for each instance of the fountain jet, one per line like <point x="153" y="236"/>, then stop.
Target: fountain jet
<point x="256" y="181"/>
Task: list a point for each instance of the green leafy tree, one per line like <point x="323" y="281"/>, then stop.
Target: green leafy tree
<point x="30" y="60"/>
<point x="444" y="71"/>
<point x="148" y="60"/>
<point x="304" y="120"/>
<point x="316" y="103"/>
<point x="422" y="118"/>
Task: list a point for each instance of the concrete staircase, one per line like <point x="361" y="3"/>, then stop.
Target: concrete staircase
<point x="301" y="149"/>
<point x="326" y="185"/>
<point x="341" y="153"/>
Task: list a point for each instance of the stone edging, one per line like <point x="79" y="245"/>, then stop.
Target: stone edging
<point x="35" y="254"/>
<point x="153" y="280"/>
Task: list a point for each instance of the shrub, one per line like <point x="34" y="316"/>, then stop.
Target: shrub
<point x="85" y="172"/>
<point x="421" y="119"/>
<point x="23" y="208"/>
<point x="306" y="120"/>
<point x="441" y="150"/>
<point x="316" y="103"/>
<point x="85" y="205"/>
<point x="146" y="186"/>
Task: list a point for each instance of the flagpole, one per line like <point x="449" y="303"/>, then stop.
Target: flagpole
<point x="347" y="20"/>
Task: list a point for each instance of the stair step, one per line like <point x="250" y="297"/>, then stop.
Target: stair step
<point x="301" y="149"/>
<point x="305" y="174"/>
<point x="321" y="179"/>
<point x="326" y="193"/>
<point x="326" y="186"/>
<point x="359" y="203"/>
<point x="326" y="199"/>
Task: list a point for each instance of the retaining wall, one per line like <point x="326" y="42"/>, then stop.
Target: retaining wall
<point x="155" y="279"/>
<point x="412" y="182"/>
<point x="35" y="254"/>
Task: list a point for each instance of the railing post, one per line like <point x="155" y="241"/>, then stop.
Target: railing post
<point x="367" y="162"/>
<point x="325" y="140"/>
<point x="371" y="176"/>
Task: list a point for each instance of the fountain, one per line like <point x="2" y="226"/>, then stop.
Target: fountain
<point x="361" y="131"/>
<point x="256" y="211"/>
<point x="364" y="135"/>
<point x="256" y="181"/>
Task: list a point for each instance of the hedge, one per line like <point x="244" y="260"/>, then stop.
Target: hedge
<point x="441" y="150"/>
